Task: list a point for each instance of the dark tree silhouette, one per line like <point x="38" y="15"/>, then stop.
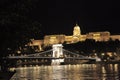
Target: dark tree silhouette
<point x="17" y="24"/>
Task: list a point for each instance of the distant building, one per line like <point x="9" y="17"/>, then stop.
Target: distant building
<point x="115" y="37"/>
<point x="75" y="37"/>
<point x="76" y="34"/>
<point x="36" y="45"/>
<point x="53" y="39"/>
<point x="98" y="36"/>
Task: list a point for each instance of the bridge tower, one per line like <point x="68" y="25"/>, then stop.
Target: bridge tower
<point x="57" y="50"/>
<point x="57" y="53"/>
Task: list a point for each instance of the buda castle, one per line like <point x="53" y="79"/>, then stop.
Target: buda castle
<point x="75" y="37"/>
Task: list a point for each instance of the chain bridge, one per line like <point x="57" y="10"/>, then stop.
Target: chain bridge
<point x="56" y="55"/>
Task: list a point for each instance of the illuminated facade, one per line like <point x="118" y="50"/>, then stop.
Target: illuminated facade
<point x="115" y="37"/>
<point x="53" y="39"/>
<point x="76" y="37"/>
<point x="76" y="34"/>
<point x="76" y="31"/>
<point x="98" y="36"/>
<point x="36" y="45"/>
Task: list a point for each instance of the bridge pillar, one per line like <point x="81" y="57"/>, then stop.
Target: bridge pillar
<point x="57" y="53"/>
<point x="57" y="50"/>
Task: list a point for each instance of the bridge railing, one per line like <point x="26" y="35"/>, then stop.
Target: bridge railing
<point x="41" y="55"/>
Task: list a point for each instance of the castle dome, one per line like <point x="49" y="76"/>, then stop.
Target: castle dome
<point x="76" y="31"/>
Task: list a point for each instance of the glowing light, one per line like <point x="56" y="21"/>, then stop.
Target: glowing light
<point x="57" y="53"/>
<point x="18" y="52"/>
<point x="103" y="54"/>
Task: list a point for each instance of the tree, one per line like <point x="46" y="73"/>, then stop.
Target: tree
<point x="17" y="27"/>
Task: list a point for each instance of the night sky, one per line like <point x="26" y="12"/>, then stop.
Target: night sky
<point x="91" y="15"/>
<point x="60" y="16"/>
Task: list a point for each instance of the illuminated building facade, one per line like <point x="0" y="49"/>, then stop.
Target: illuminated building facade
<point x="76" y="37"/>
<point x="53" y="39"/>
<point x="98" y="36"/>
<point x="115" y="37"/>
<point x="76" y="31"/>
<point x="36" y="45"/>
<point x="76" y="34"/>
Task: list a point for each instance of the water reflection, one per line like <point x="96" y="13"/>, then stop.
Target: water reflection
<point x="69" y="72"/>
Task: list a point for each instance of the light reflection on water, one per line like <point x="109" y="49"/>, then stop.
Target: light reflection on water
<point x="69" y="72"/>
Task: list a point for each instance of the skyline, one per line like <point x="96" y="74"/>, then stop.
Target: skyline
<point x="60" y="17"/>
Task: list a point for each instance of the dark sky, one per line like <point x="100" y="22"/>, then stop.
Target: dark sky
<point x="60" y="16"/>
<point x="91" y="15"/>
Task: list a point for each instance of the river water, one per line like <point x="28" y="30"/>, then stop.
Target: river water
<point x="69" y="72"/>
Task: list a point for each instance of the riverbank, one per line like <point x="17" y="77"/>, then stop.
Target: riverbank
<point x="70" y="62"/>
<point x="104" y="62"/>
<point x="6" y="75"/>
<point x="92" y="62"/>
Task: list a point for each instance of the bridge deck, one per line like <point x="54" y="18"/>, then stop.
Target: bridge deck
<point x="23" y="57"/>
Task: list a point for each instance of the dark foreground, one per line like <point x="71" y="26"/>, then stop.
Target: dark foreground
<point x="6" y="75"/>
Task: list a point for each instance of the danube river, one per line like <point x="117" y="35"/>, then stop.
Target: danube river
<point x="69" y="72"/>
